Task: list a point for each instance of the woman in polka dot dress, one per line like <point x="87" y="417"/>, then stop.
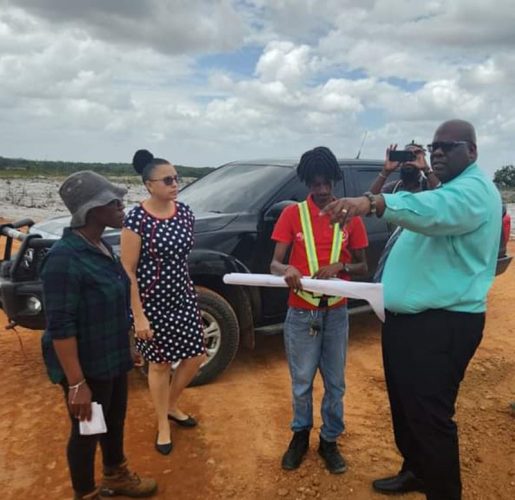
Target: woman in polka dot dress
<point x="155" y="243"/>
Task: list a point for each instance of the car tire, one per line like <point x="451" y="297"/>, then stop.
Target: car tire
<point x="221" y="334"/>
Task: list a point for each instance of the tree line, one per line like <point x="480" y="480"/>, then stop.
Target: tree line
<point x="34" y="168"/>
<point x="505" y="177"/>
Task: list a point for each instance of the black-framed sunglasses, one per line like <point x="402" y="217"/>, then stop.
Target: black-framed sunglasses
<point x="445" y="146"/>
<point x="168" y="180"/>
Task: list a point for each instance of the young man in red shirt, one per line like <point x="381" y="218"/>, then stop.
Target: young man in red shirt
<point x="316" y="328"/>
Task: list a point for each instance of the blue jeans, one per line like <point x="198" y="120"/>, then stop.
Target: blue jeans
<point x="326" y="350"/>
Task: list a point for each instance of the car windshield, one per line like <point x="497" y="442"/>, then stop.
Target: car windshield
<point x="234" y="188"/>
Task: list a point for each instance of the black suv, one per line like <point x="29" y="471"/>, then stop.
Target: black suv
<point x="236" y="207"/>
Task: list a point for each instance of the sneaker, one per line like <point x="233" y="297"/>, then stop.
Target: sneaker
<point x="121" y="481"/>
<point x="297" y="448"/>
<point x="333" y="459"/>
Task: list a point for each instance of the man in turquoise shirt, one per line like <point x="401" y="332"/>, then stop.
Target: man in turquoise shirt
<point x="435" y="279"/>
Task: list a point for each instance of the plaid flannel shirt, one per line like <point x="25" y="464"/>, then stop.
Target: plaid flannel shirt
<point x="86" y="296"/>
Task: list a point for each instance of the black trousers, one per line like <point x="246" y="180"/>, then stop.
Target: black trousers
<point x="112" y="395"/>
<point x="425" y="356"/>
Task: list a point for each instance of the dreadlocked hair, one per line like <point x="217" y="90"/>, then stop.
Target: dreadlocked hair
<point x="319" y="161"/>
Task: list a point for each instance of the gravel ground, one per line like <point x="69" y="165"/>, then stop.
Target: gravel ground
<point x="39" y="198"/>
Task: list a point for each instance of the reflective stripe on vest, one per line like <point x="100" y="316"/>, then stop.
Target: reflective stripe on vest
<point x="311" y="253"/>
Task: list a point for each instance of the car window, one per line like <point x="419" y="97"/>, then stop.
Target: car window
<point x="361" y="179"/>
<point x="293" y="190"/>
<point x="234" y="188"/>
<point x="296" y="190"/>
<point x="365" y="178"/>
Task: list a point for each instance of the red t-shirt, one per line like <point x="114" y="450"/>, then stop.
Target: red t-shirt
<point x="288" y="229"/>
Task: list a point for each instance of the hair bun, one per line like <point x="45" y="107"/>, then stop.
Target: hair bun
<point x="141" y="158"/>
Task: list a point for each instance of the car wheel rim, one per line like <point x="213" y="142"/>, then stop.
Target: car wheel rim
<point x="212" y="335"/>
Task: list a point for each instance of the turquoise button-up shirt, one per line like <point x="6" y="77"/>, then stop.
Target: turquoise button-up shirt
<point x="445" y="258"/>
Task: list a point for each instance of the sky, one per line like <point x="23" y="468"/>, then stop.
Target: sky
<point x="205" y="82"/>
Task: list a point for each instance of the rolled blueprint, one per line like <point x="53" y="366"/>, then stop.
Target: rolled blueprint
<point x="371" y="292"/>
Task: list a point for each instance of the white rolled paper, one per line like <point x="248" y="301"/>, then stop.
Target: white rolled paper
<point x="371" y="292"/>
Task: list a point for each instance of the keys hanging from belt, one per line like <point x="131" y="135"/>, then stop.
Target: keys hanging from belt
<point x="314" y="329"/>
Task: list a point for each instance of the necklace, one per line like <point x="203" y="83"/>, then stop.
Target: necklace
<point x="100" y="246"/>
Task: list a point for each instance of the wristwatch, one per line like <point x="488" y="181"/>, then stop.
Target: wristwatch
<point x="346" y="268"/>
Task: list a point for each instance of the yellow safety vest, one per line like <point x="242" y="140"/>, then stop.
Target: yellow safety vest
<point x="311" y="253"/>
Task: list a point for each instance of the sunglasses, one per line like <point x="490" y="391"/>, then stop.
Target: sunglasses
<point x="168" y="180"/>
<point x="445" y="146"/>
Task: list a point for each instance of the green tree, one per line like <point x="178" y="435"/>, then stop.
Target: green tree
<point x="505" y="177"/>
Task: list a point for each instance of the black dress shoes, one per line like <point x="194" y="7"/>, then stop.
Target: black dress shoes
<point x="164" y="449"/>
<point x="185" y="422"/>
<point x="403" y="482"/>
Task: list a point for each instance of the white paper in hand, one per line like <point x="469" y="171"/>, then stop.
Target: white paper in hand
<point x="97" y="424"/>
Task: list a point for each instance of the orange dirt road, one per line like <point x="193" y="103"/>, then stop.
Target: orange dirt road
<point x="244" y="422"/>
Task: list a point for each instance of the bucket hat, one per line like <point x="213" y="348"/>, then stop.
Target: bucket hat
<point x="85" y="190"/>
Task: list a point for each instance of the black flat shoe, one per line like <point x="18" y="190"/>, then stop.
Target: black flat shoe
<point x="403" y="482"/>
<point x="164" y="449"/>
<point x="186" y="422"/>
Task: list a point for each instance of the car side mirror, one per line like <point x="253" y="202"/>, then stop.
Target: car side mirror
<point x="273" y="213"/>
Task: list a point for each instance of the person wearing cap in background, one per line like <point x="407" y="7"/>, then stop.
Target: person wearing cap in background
<point x="411" y="178"/>
<point x="86" y="342"/>
<point x="316" y="328"/>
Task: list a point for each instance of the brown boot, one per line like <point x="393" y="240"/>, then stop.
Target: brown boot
<point x="94" y="495"/>
<point x="121" y="481"/>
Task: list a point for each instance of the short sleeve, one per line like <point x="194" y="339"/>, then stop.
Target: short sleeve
<point x="60" y="275"/>
<point x="358" y="238"/>
<point x="133" y="220"/>
<point x="283" y="231"/>
<point x="188" y="211"/>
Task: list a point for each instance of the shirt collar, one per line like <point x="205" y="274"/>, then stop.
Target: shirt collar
<point x="78" y="243"/>
<point x="469" y="170"/>
<point x="313" y="208"/>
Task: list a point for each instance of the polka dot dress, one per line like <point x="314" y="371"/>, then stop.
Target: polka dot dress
<point x="166" y="291"/>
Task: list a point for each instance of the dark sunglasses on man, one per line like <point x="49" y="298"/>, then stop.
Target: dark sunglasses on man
<point x="445" y="146"/>
<point x="168" y="180"/>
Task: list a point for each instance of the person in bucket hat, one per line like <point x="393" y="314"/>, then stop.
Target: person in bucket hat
<point x="86" y="342"/>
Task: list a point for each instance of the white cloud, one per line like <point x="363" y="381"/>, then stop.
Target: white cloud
<point x="168" y="26"/>
<point x="204" y="82"/>
<point x="285" y="62"/>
